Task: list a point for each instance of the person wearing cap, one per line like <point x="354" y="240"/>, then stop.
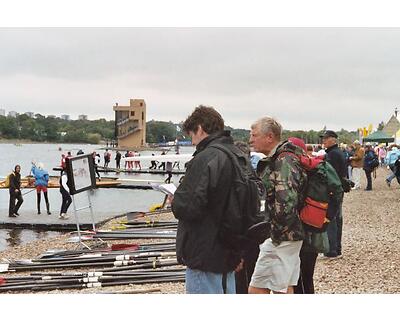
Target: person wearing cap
<point x="336" y="158"/>
<point x="357" y="162"/>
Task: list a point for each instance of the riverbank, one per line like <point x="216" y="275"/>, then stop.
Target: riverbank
<point x="371" y="247"/>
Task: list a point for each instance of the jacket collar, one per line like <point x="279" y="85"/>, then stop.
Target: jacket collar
<point x="331" y="148"/>
<point x="225" y="136"/>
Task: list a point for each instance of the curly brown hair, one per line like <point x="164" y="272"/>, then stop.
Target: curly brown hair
<point x="207" y="117"/>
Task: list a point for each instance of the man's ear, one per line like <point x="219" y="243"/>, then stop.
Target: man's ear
<point x="199" y="129"/>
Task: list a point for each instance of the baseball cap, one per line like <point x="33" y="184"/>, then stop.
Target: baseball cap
<point x="329" y="133"/>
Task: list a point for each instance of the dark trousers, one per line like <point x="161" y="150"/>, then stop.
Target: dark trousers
<point x="243" y="277"/>
<point x="12" y="207"/>
<point x="334" y="230"/>
<point x="168" y="180"/>
<point x="307" y="265"/>
<point x="153" y="165"/>
<point x="46" y="199"/>
<point x="66" y="201"/>
<point x="368" y="173"/>
<point x="96" y="169"/>
<point x="118" y="164"/>
<point x="162" y="165"/>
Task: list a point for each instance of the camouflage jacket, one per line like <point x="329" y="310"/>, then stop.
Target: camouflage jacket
<point x="285" y="182"/>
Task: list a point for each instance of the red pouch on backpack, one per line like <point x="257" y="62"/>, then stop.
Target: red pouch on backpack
<point x="314" y="213"/>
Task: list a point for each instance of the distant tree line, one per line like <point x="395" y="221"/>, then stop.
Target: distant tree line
<point x="50" y="129"/>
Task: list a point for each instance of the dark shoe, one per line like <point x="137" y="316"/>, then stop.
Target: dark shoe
<point x="16" y="214"/>
<point x="367" y="189"/>
<point x="12" y="215"/>
<point x="387" y="182"/>
<point x="39" y="212"/>
<point x="48" y="212"/>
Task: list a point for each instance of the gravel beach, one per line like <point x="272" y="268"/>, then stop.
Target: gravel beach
<point x="371" y="247"/>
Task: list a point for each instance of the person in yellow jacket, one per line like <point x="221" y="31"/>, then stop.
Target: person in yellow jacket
<point x="357" y="162"/>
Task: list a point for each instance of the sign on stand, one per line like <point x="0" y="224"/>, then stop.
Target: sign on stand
<point x="81" y="178"/>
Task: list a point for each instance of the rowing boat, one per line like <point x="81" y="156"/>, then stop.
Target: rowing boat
<point x="29" y="182"/>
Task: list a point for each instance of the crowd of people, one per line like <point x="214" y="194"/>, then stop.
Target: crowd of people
<point x="207" y="201"/>
<point x="219" y="255"/>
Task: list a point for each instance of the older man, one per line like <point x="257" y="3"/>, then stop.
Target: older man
<point x="337" y="159"/>
<point x="278" y="265"/>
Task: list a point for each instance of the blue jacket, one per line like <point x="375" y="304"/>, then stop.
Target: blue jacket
<point x="392" y="156"/>
<point x="41" y="176"/>
<point x="369" y="159"/>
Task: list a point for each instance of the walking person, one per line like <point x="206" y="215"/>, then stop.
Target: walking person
<point x="118" y="160"/>
<point x="278" y="265"/>
<point x="96" y="161"/>
<point x="15" y="192"/>
<point x="153" y="163"/>
<point x="357" y="163"/>
<point x="162" y="165"/>
<point x="203" y="203"/>
<point x="169" y="172"/>
<point x="370" y="163"/>
<point x="392" y="156"/>
<point x="382" y="155"/>
<point x="66" y="197"/>
<point x="41" y="183"/>
<point x="107" y="158"/>
<point x="137" y="163"/>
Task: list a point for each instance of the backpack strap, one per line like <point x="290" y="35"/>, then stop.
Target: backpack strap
<point x="231" y="156"/>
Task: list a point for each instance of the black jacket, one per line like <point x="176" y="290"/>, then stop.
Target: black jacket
<point x="337" y="159"/>
<point x="200" y="203"/>
<point x="15" y="182"/>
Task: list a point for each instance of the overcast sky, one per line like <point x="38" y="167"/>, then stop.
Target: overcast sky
<point x="305" y="77"/>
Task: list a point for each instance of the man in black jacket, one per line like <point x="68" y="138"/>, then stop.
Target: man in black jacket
<point x="336" y="158"/>
<point x="15" y="192"/>
<point x="202" y="202"/>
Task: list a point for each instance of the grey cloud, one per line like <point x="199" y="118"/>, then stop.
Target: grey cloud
<point x="305" y="77"/>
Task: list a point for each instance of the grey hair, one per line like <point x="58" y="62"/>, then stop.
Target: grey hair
<point x="267" y="125"/>
<point x="243" y="146"/>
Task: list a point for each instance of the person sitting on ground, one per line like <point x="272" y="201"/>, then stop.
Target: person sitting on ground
<point x="41" y="183"/>
<point x="15" y="192"/>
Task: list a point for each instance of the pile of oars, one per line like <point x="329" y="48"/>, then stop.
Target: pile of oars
<point x="150" y="256"/>
<point x="140" y="230"/>
<point x="80" y="280"/>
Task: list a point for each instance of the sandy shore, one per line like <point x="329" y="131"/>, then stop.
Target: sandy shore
<point x="371" y="247"/>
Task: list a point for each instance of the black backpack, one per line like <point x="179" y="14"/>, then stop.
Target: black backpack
<point x="250" y="223"/>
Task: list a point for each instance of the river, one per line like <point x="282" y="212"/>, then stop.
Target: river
<point x="104" y="200"/>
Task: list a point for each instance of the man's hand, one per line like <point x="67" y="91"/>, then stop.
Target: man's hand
<point x="240" y="266"/>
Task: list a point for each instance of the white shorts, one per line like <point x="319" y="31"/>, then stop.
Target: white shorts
<point x="277" y="267"/>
